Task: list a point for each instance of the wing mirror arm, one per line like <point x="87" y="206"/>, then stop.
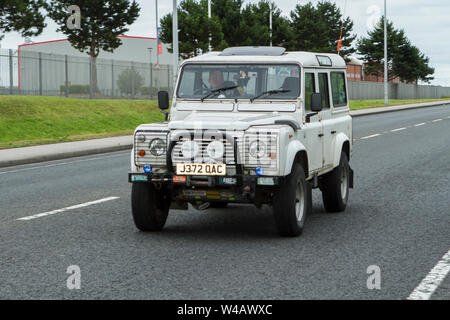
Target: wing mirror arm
<point x="309" y="116"/>
<point x="166" y="114"/>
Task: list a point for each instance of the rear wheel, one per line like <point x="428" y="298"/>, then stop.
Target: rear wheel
<point x="150" y="207"/>
<point x="335" y="186"/>
<point x="292" y="202"/>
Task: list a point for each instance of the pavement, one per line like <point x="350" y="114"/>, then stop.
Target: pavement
<point x="77" y="213"/>
<point x="18" y="156"/>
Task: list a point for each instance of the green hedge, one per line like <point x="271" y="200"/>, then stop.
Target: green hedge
<point x="147" y="91"/>
<point x="76" y="89"/>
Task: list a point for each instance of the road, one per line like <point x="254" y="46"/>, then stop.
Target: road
<point x="398" y="219"/>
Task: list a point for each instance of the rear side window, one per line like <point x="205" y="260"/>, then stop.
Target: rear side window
<point x="310" y="87"/>
<point x="338" y="89"/>
<point x="323" y="87"/>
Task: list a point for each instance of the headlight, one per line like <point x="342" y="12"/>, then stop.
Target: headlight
<point x="157" y="147"/>
<point x="257" y="149"/>
<point x="215" y="149"/>
<point x="190" y="149"/>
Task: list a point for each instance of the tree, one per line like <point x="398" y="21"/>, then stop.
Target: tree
<point x="102" y="21"/>
<point x="255" y="28"/>
<point x="195" y="29"/>
<point x="22" y="16"/>
<point x="318" y="28"/>
<point x="228" y="13"/>
<point x="405" y="61"/>
<point x="130" y="81"/>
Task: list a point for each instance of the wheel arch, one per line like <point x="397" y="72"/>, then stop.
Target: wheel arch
<point x="342" y="144"/>
<point x="296" y="153"/>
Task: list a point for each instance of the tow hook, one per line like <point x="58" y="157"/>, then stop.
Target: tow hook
<point x="158" y="185"/>
<point x="202" y="206"/>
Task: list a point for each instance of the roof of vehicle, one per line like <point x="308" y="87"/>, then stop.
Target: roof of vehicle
<point x="306" y="59"/>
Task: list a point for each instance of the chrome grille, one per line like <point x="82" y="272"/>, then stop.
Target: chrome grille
<point x="203" y="142"/>
<point x="149" y="158"/>
<point x="270" y="139"/>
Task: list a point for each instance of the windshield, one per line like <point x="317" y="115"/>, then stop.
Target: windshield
<point x="235" y="81"/>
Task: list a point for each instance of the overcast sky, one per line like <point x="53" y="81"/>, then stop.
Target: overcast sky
<point x="426" y="22"/>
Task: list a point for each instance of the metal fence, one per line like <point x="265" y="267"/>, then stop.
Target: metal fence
<point x="366" y="90"/>
<point x="36" y="73"/>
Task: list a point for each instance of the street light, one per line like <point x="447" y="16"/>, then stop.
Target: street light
<point x="270" y="22"/>
<point x="151" y="72"/>
<point x="209" y="16"/>
<point x="386" y="88"/>
<point x="175" y="40"/>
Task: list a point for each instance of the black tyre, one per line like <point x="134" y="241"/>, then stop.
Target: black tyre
<point x="218" y="205"/>
<point x="150" y="207"/>
<point x="335" y="186"/>
<point x="292" y="202"/>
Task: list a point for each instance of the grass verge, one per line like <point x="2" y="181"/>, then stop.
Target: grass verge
<point x="365" y="104"/>
<point x="29" y="120"/>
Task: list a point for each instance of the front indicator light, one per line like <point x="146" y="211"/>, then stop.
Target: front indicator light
<point x="141" y="153"/>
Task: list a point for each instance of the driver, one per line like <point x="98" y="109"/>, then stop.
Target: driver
<point x="216" y="79"/>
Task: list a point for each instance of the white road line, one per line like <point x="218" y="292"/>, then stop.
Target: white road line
<point x="82" y="205"/>
<point x="399" y="129"/>
<point x="372" y="136"/>
<point x="62" y="163"/>
<point x="420" y="124"/>
<point x="428" y="286"/>
<point x="437" y="120"/>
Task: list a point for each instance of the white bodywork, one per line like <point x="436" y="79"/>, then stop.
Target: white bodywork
<point x="322" y="139"/>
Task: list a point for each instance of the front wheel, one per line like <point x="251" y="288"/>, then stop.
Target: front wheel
<point x="150" y="207"/>
<point x="292" y="202"/>
<point x="335" y="186"/>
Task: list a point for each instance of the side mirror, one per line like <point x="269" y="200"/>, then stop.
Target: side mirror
<point x="163" y="100"/>
<point x="316" y="102"/>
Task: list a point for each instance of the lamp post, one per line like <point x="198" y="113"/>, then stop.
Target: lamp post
<point x="209" y="16"/>
<point x="175" y="40"/>
<point x="386" y="88"/>
<point x="151" y="73"/>
<point x="270" y="22"/>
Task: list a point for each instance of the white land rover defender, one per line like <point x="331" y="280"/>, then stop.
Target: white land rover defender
<point x="247" y="125"/>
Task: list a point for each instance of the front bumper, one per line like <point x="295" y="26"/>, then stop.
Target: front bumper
<point x="170" y="179"/>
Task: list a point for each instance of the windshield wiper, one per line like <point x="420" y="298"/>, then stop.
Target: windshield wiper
<point x="217" y="91"/>
<point x="268" y="93"/>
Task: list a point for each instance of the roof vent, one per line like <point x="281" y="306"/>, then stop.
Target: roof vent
<point x="253" y="51"/>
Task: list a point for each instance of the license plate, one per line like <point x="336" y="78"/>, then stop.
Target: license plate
<point x="201" y="169"/>
<point x="136" y="178"/>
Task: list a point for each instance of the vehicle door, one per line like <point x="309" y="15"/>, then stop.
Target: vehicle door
<point x="313" y="130"/>
<point x="329" y="130"/>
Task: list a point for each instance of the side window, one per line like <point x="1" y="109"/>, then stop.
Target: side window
<point x="338" y="89"/>
<point x="310" y="87"/>
<point x="323" y="87"/>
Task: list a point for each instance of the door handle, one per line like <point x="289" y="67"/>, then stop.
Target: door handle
<point x="333" y="132"/>
<point x="321" y="135"/>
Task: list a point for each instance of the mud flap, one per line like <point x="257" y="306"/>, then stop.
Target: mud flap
<point x="351" y="178"/>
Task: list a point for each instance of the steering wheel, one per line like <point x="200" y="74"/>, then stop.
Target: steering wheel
<point x="203" y="90"/>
